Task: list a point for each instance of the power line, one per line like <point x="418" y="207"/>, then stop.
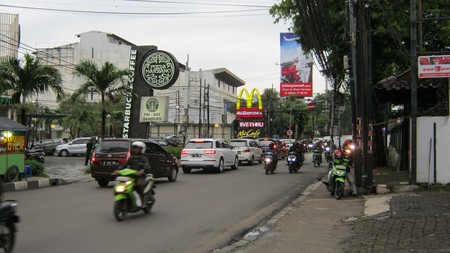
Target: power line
<point x="130" y="13"/>
<point x="200" y="3"/>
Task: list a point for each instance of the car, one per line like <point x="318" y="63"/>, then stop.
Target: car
<point x="161" y="141"/>
<point x="75" y="147"/>
<point x="49" y="145"/>
<point x="279" y="145"/>
<point x="208" y="154"/>
<point x="289" y="142"/>
<point x="248" y="150"/>
<point x="113" y="152"/>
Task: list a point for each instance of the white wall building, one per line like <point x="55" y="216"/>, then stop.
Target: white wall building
<point x="96" y="46"/>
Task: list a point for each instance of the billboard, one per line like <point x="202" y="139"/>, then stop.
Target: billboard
<point x="436" y="66"/>
<point x="296" y="68"/>
<point x="249" y="111"/>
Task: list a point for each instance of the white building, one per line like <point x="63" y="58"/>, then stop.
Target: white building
<point x="96" y="46"/>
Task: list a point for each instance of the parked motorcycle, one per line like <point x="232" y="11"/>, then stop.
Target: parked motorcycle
<point x="36" y="153"/>
<point x="270" y="162"/>
<point x="336" y="184"/>
<point x="294" y="162"/>
<point x="317" y="158"/>
<point x="126" y="199"/>
<point x="8" y="218"/>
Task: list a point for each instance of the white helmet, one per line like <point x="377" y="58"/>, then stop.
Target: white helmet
<point x="139" y="144"/>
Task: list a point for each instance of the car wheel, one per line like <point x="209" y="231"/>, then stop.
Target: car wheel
<point x="173" y="175"/>
<point x="221" y="165"/>
<point x="235" y="166"/>
<point x="103" y="182"/>
<point x="186" y="170"/>
<point x="64" y="153"/>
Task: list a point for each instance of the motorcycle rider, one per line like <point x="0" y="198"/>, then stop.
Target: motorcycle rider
<point x="138" y="161"/>
<point x="318" y="148"/>
<point x="298" y="149"/>
<point x="339" y="159"/>
<point x="274" y="150"/>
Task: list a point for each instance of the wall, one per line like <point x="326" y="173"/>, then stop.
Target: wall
<point x="425" y="150"/>
<point x="160" y="130"/>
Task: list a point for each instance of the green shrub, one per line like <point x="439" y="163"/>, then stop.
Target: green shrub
<point x="176" y="151"/>
<point x="37" y="168"/>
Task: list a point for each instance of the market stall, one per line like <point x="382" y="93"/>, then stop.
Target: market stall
<point x="12" y="149"/>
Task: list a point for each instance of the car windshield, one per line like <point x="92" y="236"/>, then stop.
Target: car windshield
<point x="114" y="146"/>
<point x="265" y="143"/>
<point x="288" y="141"/>
<point x="238" y="143"/>
<point x="199" y="145"/>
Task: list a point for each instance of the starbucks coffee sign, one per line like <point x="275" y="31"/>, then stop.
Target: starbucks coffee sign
<point x="154" y="109"/>
<point x="159" y="69"/>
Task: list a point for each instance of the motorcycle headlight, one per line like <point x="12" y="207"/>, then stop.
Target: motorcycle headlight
<point x="120" y="188"/>
<point x="328" y="148"/>
<point x="340" y="173"/>
<point x="267" y="160"/>
<point x="352" y="146"/>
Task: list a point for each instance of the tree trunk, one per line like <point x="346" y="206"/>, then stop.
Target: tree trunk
<point x="103" y="116"/>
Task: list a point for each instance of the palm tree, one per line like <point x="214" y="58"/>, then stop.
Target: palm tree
<point x="29" y="77"/>
<point x="105" y="81"/>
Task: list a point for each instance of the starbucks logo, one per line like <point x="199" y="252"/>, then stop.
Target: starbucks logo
<point x="159" y="69"/>
<point x="152" y="105"/>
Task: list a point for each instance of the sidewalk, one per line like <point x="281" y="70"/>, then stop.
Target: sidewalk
<point x="416" y="221"/>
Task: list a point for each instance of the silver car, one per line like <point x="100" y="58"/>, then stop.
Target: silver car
<point x="248" y="150"/>
<point x="75" y="147"/>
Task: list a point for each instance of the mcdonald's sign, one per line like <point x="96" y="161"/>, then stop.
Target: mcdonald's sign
<point x="249" y="111"/>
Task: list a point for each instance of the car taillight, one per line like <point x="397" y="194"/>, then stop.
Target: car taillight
<point x="246" y="150"/>
<point x="93" y="159"/>
<point x="275" y="146"/>
<point x="126" y="158"/>
<point x="184" y="152"/>
<point x="210" y="152"/>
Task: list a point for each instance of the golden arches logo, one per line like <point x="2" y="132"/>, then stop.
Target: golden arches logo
<point x="249" y="97"/>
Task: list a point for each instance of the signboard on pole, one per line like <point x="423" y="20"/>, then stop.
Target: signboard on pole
<point x="311" y="106"/>
<point x="249" y="111"/>
<point x="296" y="68"/>
<point x="436" y="66"/>
<point x="154" y="109"/>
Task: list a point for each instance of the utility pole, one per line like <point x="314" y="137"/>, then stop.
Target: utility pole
<point x="187" y="100"/>
<point x="207" y="110"/>
<point x="200" y="107"/>
<point x="413" y="13"/>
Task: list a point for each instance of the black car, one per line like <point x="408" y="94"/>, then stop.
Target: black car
<point x="279" y="145"/>
<point x="113" y="152"/>
<point x="48" y="145"/>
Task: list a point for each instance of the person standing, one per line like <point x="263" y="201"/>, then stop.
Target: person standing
<point x="89" y="147"/>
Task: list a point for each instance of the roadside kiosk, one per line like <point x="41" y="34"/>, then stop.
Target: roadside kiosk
<point x="12" y="149"/>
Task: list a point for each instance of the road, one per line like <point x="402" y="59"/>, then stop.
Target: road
<point x="70" y="169"/>
<point x="198" y="213"/>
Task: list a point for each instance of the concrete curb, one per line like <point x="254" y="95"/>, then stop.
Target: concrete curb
<point x="31" y="184"/>
<point x="260" y="230"/>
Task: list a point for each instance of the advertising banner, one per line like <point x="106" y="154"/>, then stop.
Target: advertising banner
<point x="154" y="109"/>
<point x="296" y="68"/>
<point x="249" y="111"/>
<point x="436" y="66"/>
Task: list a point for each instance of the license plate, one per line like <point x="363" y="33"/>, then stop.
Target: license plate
<point x="106" y="163"/>
<point x="239" y="152"/>
<point x="196" y="155"/>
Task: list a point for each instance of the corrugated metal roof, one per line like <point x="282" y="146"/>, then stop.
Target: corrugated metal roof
<point x="7" y="124"/>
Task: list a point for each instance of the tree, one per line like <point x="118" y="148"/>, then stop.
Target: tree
<point x="29" y="77"/>
<point x="80" y="117"/>
<point x="106" y="81"/>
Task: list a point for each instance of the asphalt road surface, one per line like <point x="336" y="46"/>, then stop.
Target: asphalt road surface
<point x="200" y="212"/>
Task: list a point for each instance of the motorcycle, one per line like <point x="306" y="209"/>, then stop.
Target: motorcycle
<point x="8" y="218"/>
<point x="294" y="162"/>
<point x="336" y="185"/>
<point x="36" y="153"/>
<point x="317" y="158"/>
<point x="270" y="164"/>
<point x="328" y="155"/>
<point x="126" y="199"/>
<point x="348" y="152"/>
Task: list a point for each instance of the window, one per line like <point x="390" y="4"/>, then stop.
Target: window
<point x="218" y="85"/>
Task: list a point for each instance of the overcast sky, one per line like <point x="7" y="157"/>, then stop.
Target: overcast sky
<point x="238" y="35"/>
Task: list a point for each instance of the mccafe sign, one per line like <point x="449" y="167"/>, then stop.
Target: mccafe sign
<point x="249" y="111"/>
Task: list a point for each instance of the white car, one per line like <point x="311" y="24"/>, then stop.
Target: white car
<point x="248" y="150"/>
<point x="208" y="154"/>
<point x="74" y="147"/>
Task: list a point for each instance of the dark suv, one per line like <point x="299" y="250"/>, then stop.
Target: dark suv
<point x="113" y="152"/>
<point x="48" y="145"/>
<point x="280" y="146"/>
